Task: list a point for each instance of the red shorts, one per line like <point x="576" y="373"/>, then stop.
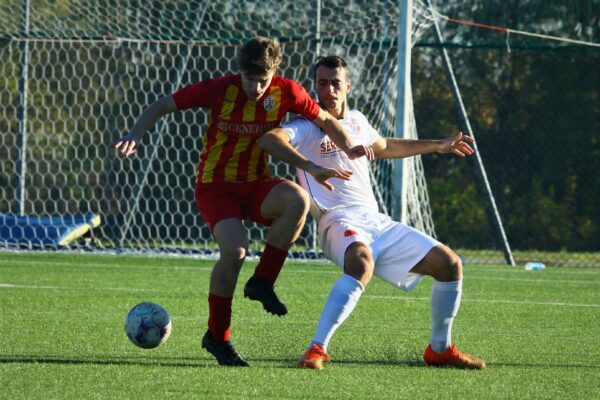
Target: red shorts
<point x="217" y="201"/>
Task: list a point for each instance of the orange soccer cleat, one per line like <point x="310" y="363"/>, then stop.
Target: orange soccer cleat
<point x="313" y="358"/>
<point x="452" y="357"/>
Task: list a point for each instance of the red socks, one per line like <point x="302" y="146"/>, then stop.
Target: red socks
<point x="270" y="263"/>
<point x="219" y="319"/>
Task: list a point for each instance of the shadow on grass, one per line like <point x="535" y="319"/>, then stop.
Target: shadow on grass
<point x="187" y="362"/>
<point x="413" y="362"/>
<point x="205" y="362"/>
<point x="418" y="362"/>
<point x="112" y="360"/>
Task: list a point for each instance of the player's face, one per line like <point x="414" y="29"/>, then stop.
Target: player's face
<point x="256" y="85"/>
<point x="332" y="87"/>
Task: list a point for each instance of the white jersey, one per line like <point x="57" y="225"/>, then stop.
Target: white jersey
<point x="350" y="213"/>
<point x="312" y="143"/>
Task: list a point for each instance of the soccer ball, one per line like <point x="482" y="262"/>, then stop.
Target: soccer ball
<point x="148" y="325"/>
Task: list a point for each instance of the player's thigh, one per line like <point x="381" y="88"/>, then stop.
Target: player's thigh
<point x="398" y="248"/>
<point x="283" y="195"/>
<point x="337" y="237"/>
<point x="441" y="263"/>
<point x="231" y="237"/>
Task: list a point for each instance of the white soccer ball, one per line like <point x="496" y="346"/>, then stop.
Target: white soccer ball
<point x="148" y="325"/>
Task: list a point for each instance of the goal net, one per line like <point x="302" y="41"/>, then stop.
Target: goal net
<point x="78" y="74"/>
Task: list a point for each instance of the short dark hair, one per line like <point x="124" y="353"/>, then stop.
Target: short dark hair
<point x="259" y="56"/>
<point x="332" y="62"/>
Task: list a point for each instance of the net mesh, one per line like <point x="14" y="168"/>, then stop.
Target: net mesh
<point x="92" y="67"/>
<point x="221" y="21"/>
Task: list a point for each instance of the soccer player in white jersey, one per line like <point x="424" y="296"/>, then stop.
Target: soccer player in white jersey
<point x="352" y="231"/>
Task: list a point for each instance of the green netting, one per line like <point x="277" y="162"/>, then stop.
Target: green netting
<point x="235" y="21"/>
<point x="186" y="20"/>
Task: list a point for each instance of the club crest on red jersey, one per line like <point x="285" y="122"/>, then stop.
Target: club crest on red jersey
<point x="268" y="103"/>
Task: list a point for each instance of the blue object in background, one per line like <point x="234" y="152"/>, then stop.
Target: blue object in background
<point x="535" y="266"/>
<point x="44" y="231"/>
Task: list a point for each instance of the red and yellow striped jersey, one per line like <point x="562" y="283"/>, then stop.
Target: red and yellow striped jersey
<point x="231" y="152"/>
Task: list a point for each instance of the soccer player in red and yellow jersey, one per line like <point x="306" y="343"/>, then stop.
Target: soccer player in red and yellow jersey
<point x="233" y="180"/>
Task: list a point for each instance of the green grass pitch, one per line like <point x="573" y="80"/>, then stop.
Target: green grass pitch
<point x="62" y="335"/>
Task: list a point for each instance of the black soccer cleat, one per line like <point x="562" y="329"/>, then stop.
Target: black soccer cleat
<point x="224" y="352"/>
<point x="261" y="290"/>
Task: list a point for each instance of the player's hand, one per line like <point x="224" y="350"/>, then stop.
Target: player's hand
<point x="127" y="145"/>
<point x="458" y="145"/>
<point x="321" y="175"/>
<point x="361" y="150"/>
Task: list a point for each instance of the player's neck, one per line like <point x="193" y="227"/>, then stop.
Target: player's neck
<point x="338" y="113"/>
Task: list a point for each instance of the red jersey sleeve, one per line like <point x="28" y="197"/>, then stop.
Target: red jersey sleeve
<point x="302" y="103"/>
<point x="199" y="94"/>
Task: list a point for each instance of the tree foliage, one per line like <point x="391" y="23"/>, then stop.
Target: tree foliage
<point x="536" y="117"/>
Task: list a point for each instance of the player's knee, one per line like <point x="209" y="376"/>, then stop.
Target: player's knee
<point x="288" y="201"/>
<point x="451" y="266"/>
<point x="294" y="201"/>
<point x="233" y="256"/>
<point x="441" y="263"/>
<point x="299" y="201"/>
<point x="362" y="272"/>
<point x="358" y="263"/>
<point x="454" y="267"/>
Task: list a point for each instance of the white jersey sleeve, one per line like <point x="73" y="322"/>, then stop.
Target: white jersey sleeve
<point x="312" y="143"/>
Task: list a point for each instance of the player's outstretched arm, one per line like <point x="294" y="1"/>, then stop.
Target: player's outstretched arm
<point x="334" y="129"/>
<point x="400" y="148"/>
<point x="277" y="143"/>
<point x="128" y="144"/>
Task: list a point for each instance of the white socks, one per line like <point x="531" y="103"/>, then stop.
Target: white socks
<point x="339" y="305"/>
<point x="445" y="301"/>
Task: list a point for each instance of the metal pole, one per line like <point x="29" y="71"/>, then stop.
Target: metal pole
<point x="313" y="225"/>
<point x="318" y="29"/>
<point x="400" y="185"/>
<point x="466" y="127"/>
<point x="22" y="112"/>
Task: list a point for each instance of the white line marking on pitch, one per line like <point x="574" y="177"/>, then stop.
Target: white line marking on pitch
<point x="67" y="264"/>
<point x="541" y="303"/>
<point x="302" y="271"/>
<point x="480" y="278"/>
<point x="574" y="271"/>
<point x="537" y="303"/>
<point x="13" y="286"/>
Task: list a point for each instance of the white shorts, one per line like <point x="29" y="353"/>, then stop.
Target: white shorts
<point x="396" y="247"/>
